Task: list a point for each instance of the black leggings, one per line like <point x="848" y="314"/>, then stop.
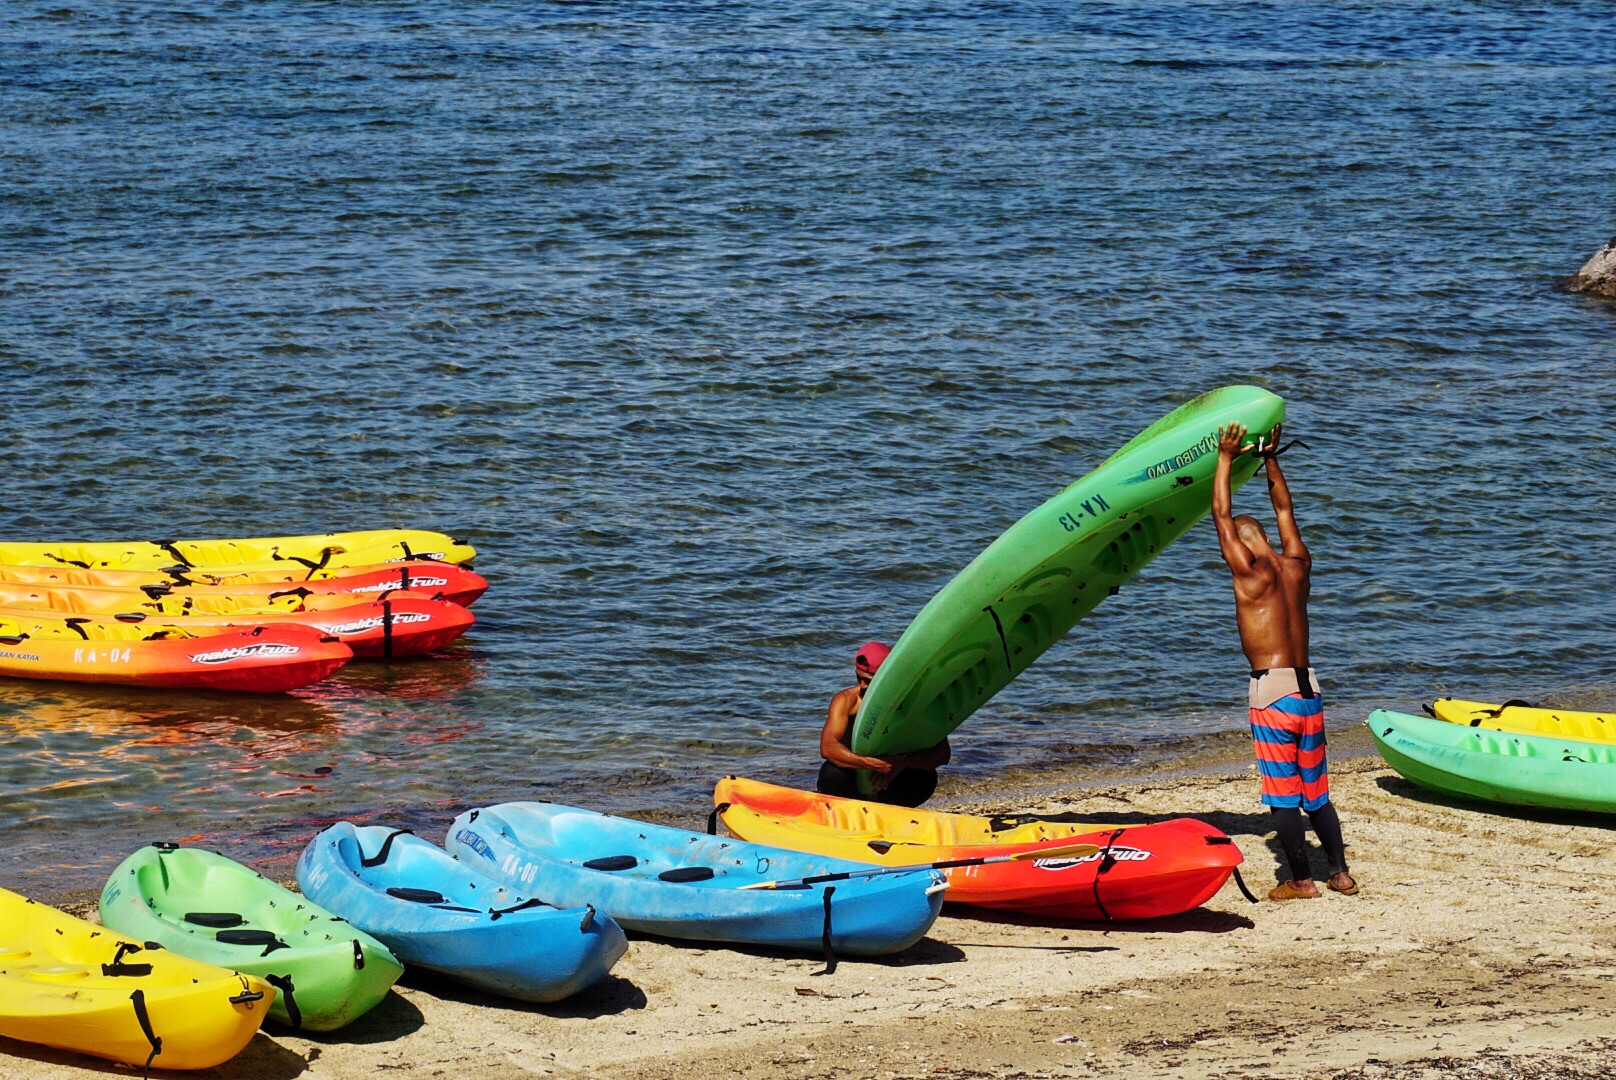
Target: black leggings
<point x="1326" y="826"/>
<point x="911" y="788"/>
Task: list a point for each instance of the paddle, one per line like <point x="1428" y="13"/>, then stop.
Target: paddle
<point x="1068" y="851"/>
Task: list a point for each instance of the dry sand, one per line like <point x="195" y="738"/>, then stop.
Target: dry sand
<point x="1480" y="947"/>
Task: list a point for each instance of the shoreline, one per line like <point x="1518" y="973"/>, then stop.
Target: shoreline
<point x="1471" y="950"/>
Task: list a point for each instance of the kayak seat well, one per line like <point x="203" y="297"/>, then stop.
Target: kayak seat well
<point x="611" y="863"/>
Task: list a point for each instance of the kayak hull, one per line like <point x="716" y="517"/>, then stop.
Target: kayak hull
<point x="397" y="625"/>
<point x="202" y="905"/>
<point x="1142" y="872"/>
<point x="56" y="990"/>
<point x="475" y="930"/>
<point x="540" y="850"/>
<point x="1048" y="570"/>
<point x="261" y="660"/>
<point x="442" y="581"/>
<point x="1528" y="720"/>
<point x="256" y="553"/>
<point x="1495" y="766"/>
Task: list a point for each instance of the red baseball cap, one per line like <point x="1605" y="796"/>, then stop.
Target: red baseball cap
<point x="870" y="656"/>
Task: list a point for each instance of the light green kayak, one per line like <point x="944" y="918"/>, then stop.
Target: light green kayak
<point x="1051" y="568"/>
<point x="1497" y="766"/>
<point x="202" y="905"/>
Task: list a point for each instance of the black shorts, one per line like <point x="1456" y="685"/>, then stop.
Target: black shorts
<point x="911" y="788"/>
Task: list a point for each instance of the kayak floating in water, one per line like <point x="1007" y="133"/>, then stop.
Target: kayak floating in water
<point x="314" y="552"/>
<point x="167" y="654"/>
<point x="1140" y="871"/>
<point x="73" y="985"/>
<point x="441" y="581"/>
<point x="200" y="904"/>
<point x="1527" y="719"/>
<point x="1048" y="570"/>
<point x="1497" y="766"/>
<point x="397" y="624"/>
<point x="680" y="884"/>
<point x="436" y="912"/>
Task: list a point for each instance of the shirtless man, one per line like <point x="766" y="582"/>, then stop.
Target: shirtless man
<point x="900" y="779"/>
<point x="1287" y="709"/>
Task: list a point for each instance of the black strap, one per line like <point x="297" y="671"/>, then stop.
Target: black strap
<point x="1004" y="644"/>
<point x="74" y="623"/>
<point x="387" y="628"/>
<point x="712" y="818"/>
<point x="588" y="919"/>
<point x="358" y="955"/>
<point x="387" y="846"/>
<point x="1432" y="712"/>
<point x="1512" y="703"/>
<point x="824" y="938"/>
<point x="1240" y="881"/>
<point x="300" y="592"/>
<point x="1106" y="862"/>
<point x="283" y="983"/>
<point x="314" y="567"/>
<point x="118" y="967"/>
<point x="247" y="994"/>
<point x="68" y="562"/>
<point x="495" y="913"/>
<point x="157" y="592"/>
<point x="139" y="999"/>
<point x="168" y="546"/>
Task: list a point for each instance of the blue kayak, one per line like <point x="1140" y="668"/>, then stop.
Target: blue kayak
<point x="682" y="884"/>
<point x="437" y="913"/>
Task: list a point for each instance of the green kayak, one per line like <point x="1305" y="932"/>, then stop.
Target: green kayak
<point x="202" y="905"/>
<point x="1497" y="766"/>
<point x="1051" y="568"/>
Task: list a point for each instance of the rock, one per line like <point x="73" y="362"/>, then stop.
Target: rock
<point x="1598" y="274"/>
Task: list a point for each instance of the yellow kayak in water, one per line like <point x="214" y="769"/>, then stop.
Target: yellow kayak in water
<point x="1523" y="718"/>
<point x="306" y="553"/>
<point x="77" y="986"/>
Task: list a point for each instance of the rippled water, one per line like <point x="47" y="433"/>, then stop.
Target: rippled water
<point x="728" y="332"/>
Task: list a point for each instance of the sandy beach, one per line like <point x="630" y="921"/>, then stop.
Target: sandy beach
<point x="1481" y="946"/>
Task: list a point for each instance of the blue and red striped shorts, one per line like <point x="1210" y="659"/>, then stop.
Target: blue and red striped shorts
<point x="1289" y="735"/>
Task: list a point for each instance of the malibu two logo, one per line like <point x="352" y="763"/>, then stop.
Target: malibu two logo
<point x="240" y="652"/>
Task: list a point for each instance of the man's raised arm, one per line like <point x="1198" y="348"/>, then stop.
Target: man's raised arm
<point x="1279" y="493"/>
<point x="1235" y="552"/>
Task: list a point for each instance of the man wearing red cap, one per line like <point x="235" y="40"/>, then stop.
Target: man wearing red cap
<point x="900" y="779"/>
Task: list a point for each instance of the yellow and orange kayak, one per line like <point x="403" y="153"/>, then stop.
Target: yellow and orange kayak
<point x="445" y="581"/>
<point x="396" y="624"/>
<point x="312" y="552"/>
<point x="77" y="648"/>
<point x="76" y="986"/>
<point x="1141" y="872"/>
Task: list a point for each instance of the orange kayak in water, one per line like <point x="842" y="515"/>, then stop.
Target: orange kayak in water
<point x="395" y="625"/>
<point x="444" y="581"/>
<point x="39" y="645"/>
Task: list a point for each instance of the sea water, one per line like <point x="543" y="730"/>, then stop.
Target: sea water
<point x="728" y="332"/>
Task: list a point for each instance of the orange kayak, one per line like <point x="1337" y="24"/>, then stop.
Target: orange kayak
<point x="76" y="649"/>
<point x="1140" y="872"/>
<point x="445" y="581"/>
<point x="398" y="624"/>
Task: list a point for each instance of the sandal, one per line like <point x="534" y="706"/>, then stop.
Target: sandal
<point x="1289" y="891"/>
<point x="1350" y="889"/>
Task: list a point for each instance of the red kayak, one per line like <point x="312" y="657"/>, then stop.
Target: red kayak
<point x="399" y="624"/>
<point x="1140" y="872"/>
<point x="445" y="581"/>
<point x="263" y="659"/>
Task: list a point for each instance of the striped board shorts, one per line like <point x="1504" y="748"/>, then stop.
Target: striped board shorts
<point x="1289" y="737"/>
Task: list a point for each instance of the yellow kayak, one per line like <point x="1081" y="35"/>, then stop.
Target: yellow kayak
<point x="308" y="554"/>
<point x="1526" y="719"/>
<point x="77" y="986"/>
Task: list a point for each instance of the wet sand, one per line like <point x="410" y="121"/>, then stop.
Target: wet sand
<point x="1481" y="946"/>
